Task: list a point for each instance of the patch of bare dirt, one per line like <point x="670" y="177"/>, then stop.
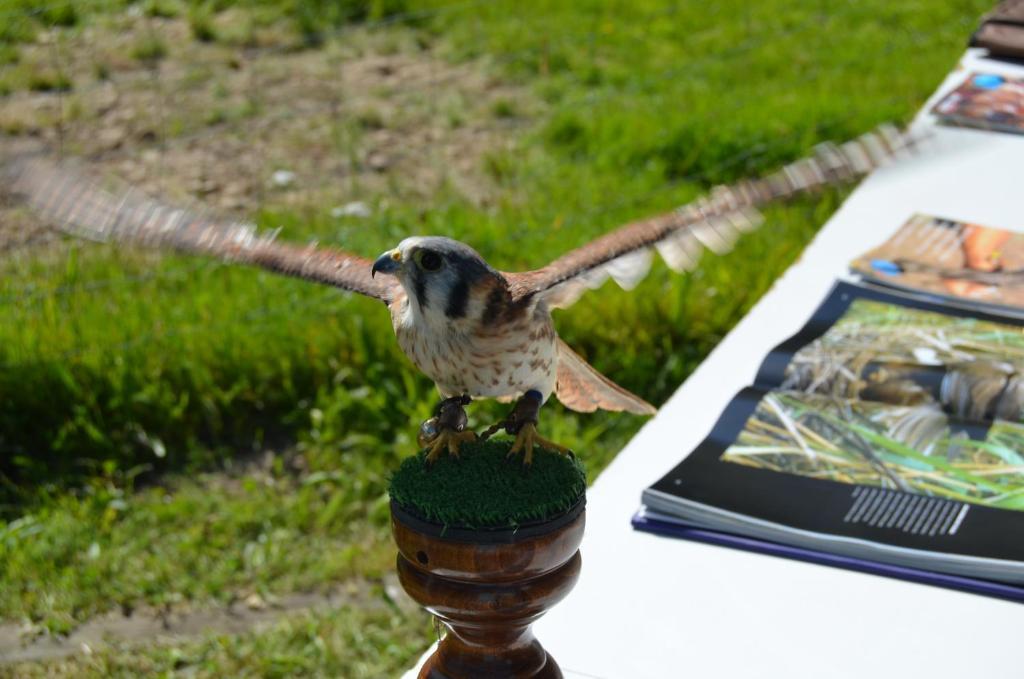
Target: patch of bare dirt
<point x="19" y="644"/>
<point x="366" y="118"/>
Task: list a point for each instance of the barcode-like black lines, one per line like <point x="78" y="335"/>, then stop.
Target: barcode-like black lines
<point x="942" y="519"/>
<point x="927" y="513"/>
<point x="910" y="514"/>
<point x="900" y="507"/>
<point x="959" y="520"/>
<point x="913" y="514"/>
<point x="934" y="509"/>
<point x="887" y="499"/>
<point x="867" y="500"/>
<point x="859" y="498"/>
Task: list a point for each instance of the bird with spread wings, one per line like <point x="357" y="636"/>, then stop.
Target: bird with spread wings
<point x="477" y="332"/>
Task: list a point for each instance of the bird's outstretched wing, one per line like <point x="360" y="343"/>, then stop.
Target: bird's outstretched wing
<point x="712" y="222"/>
<point x="84" y="206"/>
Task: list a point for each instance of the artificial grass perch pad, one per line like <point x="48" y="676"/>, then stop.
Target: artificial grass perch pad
<point x="481" y="489"/>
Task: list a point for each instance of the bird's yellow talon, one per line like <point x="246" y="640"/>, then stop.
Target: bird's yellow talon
<point x="527" y="438"/>
<point x="450" y="440"/>
<point x="458" y="438"/>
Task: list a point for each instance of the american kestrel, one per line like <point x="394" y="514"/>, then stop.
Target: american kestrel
<point x="477" y="332"/>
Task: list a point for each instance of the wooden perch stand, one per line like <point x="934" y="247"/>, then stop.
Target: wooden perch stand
<point x="488" y="587"/>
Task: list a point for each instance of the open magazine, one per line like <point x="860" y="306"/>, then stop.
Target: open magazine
<point x="886" y="435"/>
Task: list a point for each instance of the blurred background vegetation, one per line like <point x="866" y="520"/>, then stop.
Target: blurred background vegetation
<point x="177" y="433"/>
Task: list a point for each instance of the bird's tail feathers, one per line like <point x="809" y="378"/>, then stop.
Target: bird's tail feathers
<point x="581" y="388"/>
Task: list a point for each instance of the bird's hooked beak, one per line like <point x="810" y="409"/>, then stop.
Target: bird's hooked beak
<point x="390" y="262"/>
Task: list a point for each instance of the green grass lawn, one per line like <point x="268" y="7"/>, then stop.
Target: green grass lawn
<point x="139" y="396"/>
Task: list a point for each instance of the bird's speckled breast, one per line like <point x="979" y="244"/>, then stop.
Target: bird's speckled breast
<point x="504" y="359"/>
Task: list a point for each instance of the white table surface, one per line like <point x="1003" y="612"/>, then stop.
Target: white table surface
<point x="649" y="606"/>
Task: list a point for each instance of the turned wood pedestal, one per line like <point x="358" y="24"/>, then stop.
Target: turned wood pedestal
<point x="488" y="587"/>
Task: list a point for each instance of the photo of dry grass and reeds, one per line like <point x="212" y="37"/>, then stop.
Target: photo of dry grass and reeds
<point x="966" y="367"/>
<point x="907" y="448"/>
<point x="952" y="259"/>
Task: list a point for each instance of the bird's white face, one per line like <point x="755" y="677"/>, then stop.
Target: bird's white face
<point x="439" y="276"/>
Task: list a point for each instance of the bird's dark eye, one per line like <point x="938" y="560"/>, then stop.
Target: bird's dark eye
<point x="430" y="261"/>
